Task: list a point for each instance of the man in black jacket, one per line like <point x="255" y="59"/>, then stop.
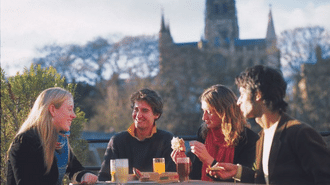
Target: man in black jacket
<point x="288" y="151"/>
<point x="142" y="141"/>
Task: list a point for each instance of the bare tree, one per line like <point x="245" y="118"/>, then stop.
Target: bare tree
<point x="99" y="59"/>
<point x="298" y="46"/>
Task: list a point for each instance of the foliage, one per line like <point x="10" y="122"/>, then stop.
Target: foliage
<point x="18" y="94"/>
<point x="114" y="108"/>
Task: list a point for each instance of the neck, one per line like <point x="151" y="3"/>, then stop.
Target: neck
<point x="268" y="119"/>
<point x="141" y="134"/>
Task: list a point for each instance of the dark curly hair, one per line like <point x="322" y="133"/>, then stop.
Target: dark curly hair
<point x="269" y="81"/>
<point x="151" y="97"/>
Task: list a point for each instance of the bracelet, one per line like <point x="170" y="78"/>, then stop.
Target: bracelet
<point x="238" y="175"/>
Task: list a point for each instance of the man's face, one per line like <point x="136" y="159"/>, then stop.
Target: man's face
<point x="246" y="103"/>
<point x="143" y="115"/>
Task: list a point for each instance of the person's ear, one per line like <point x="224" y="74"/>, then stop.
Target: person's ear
<point x="258" y="95"/>
<point x="51" y="109"/>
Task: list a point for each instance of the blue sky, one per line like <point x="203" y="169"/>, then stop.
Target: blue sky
<point x="29" y="24"/>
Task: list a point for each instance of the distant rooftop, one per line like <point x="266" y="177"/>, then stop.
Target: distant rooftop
<point x="238" y="42"/>
<point x="249" y="42"/>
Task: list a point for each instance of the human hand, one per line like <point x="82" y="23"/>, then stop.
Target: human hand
<point x="177" y="153"/>
<point x="200" y="151"/>
<point x="88" y="178"/>
<point x="222" y="170"/>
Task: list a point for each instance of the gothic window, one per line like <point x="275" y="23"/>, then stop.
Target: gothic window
<point x="224" y="8"/>
<point x="224" y="34"/>
<point x="216" y="9"/>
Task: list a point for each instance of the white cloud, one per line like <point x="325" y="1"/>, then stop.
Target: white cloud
<point x="252" y="18"/>
<point x="27" y="24"/>
<point x="301" y="17"/>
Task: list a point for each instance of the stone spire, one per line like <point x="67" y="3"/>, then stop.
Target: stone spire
<point x="162" y="24"/>
<point x="270" y="29"/>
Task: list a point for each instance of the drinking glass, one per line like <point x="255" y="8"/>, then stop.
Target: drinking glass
<point x="119" y="170"/>
<point x="183" y="168"/>
<point x="113" y="169"/>
<point x="159" y="165"/>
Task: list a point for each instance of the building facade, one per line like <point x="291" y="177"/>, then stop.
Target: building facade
<point x="186" y="69"/>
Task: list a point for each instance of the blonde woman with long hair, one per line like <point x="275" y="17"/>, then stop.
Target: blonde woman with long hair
<point x="224" y="135"/>
<point x="40" y="152"/>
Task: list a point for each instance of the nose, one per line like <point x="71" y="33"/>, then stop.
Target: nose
<point x="138" y="114"/>
<point x="73" y="115"/>
<point x="204" y="116"/>
<point x="239" y="101"/>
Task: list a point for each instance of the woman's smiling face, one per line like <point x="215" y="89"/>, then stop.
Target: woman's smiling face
<point x="64" y="115"/>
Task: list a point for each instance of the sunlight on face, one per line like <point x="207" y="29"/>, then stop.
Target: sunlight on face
<point x="64" y="115"/>
<point x="210" y="117"/>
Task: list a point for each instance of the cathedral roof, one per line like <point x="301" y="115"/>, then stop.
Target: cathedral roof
<point x="249" y="42"/>
<point x="237" y="42"/>
<point x="192" y="44"/>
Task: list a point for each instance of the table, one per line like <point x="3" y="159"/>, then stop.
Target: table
<point x="199" y="182"/>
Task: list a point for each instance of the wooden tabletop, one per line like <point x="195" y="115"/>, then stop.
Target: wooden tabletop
<point x="171" y="183"/>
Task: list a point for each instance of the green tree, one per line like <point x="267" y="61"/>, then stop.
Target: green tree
<point x="18" y="94"/>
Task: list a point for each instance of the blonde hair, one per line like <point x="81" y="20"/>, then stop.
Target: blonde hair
<point x="41" y="119"/>
<point x="224" y="102"/>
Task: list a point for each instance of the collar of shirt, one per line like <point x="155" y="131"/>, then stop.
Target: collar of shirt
<point x="131" y="131"/>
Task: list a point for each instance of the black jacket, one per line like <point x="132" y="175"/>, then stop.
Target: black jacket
<point x="244" y="152"/>
<point x="298" y="155"/>
<point x="26" y="163"/>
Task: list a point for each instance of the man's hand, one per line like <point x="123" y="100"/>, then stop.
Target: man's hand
<point x="225" y="171"/>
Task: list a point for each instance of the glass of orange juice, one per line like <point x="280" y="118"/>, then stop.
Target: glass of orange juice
<point x="159" y="165"/>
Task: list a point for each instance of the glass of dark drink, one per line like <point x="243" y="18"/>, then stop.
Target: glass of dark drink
<point x="183" y="168"/>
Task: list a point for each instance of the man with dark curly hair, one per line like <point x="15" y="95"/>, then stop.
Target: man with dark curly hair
<point x="288" y="151"/>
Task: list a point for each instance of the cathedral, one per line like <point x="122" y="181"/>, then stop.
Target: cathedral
<point x="221" y="42"/>
<point x="186" y="69"/>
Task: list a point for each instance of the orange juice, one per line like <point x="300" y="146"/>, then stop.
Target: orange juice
<point x="159" y="167"/>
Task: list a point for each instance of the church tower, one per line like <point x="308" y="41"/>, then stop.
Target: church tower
<point x="221" y="24"/>
<point x="165" y="44"/>
<point x="273" y="53"/>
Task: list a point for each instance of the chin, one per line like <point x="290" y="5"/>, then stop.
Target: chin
<point x="66" y="129"/>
